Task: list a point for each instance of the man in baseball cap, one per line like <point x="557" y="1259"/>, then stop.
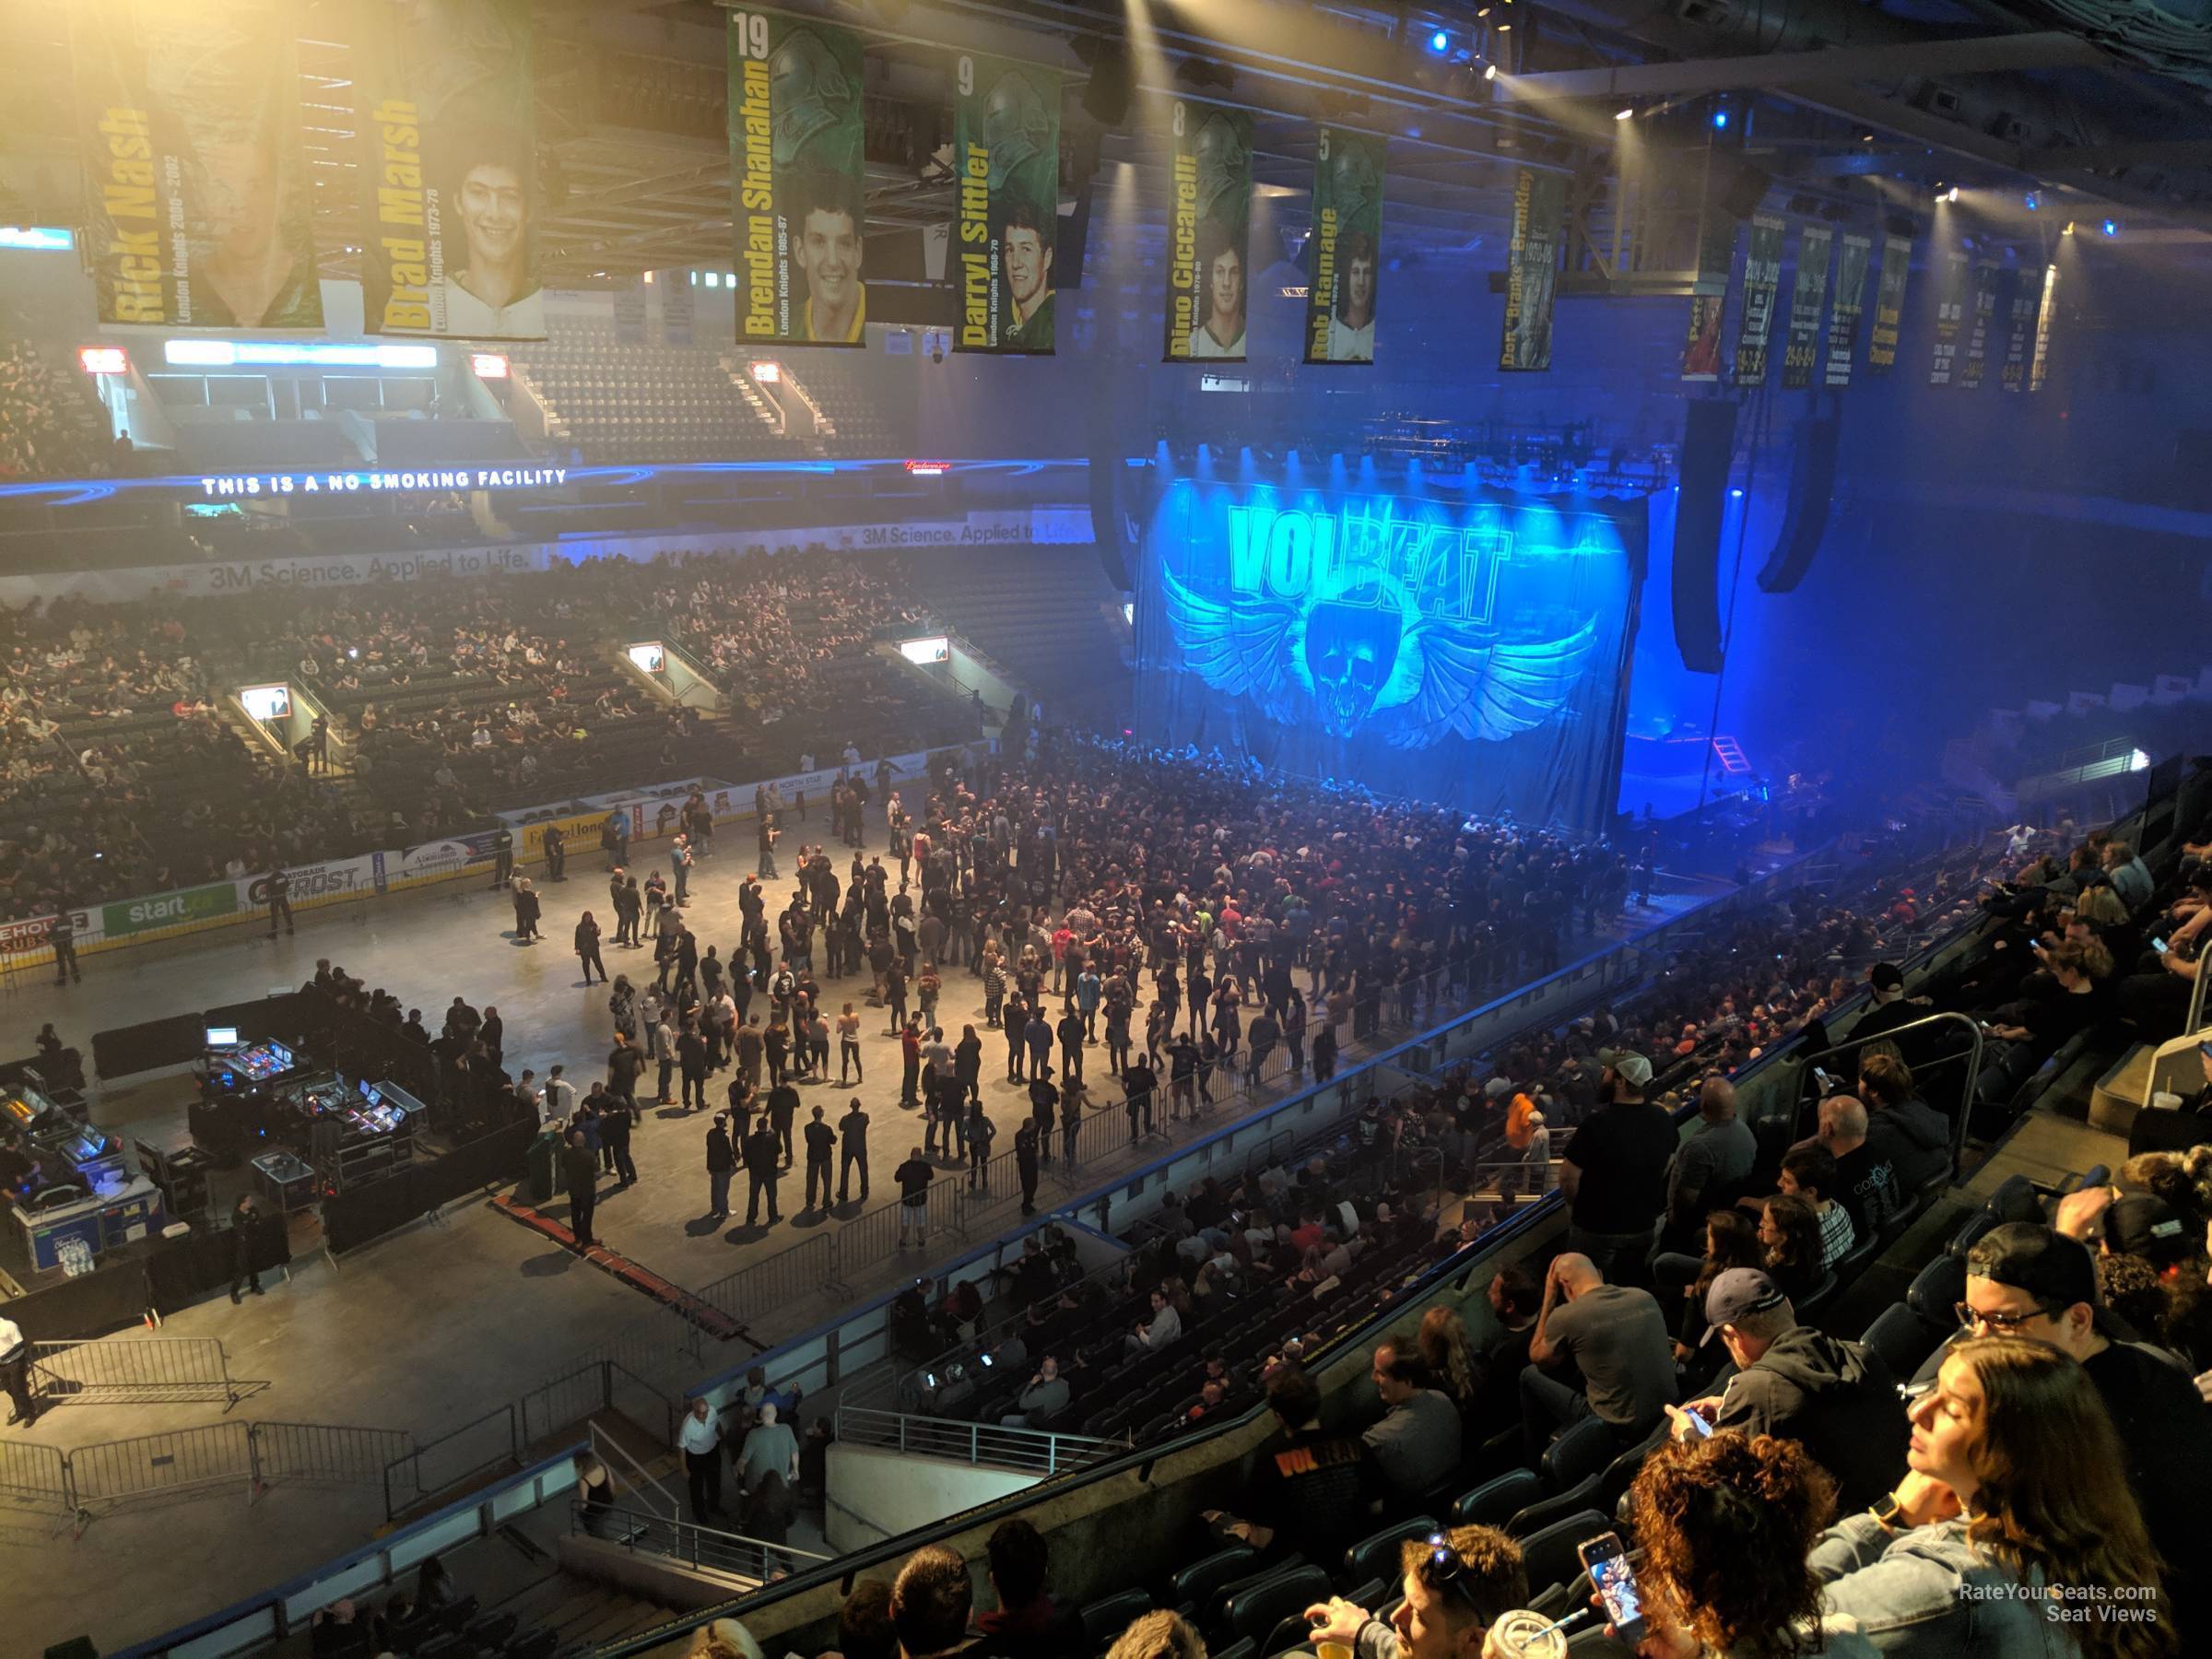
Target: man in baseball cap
<point x="1835" y="1397"/>
<point x="1615" y="1174"/>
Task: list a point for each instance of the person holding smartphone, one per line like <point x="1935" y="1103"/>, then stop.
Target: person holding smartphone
<point x="1457" y="1584"/>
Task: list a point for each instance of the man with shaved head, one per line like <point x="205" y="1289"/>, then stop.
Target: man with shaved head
<point x="1866" y="1180"/>
<point x="1617" y="1338"/>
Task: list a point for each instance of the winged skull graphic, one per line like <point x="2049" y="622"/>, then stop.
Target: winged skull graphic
<point x="1411" y="679"/>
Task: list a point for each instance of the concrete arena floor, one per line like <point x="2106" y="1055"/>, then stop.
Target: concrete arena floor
<point x="439" y="1323"/>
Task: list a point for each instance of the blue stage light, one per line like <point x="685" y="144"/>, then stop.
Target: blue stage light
<point x="1719" y="120"/>
<point x="2112" y="227"/>
<point x="1440" y="43"/>
<point x="2035" y="201"/>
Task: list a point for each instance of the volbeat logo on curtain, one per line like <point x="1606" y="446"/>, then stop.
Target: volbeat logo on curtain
<point x="797" y="179"/>
<point x="198" y="209"/>
<point x="1346" y="247"/>
<point x="1532" y="270"/>
<point x="1762" y="288"/>
<point x="1209" y="227"/>
<point x="1809" y="292"/>
<point x="1005" y="145"/>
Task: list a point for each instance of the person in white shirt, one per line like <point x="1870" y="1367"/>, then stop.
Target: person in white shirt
<point x="14" y="1373"/>
<point x="700" y="1441"/>
<point x="561" y="1096"/>
<point x="1160" y="1332"/>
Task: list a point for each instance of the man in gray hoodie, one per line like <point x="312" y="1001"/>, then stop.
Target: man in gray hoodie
<point x="1836" y="1398"/>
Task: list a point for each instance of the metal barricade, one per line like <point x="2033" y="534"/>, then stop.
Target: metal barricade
<point x="804" y="1269"/>
<point x="181" y="1461"/>
<point x="325" y="1454"/>
<point x="141" y="1370"/>
<point x="699" y="1547"/>
<point x="571" y="1397"/>
<point x="34" y="1477"/>
<point x="988" y="1445"/>
<point x="420" y="1472"/>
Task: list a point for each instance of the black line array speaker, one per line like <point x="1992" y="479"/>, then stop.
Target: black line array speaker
<point x="1708" y="448"/>
<point x="1805" y="519"/>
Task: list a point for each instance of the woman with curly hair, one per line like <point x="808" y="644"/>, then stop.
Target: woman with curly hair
<point x="1725" y="1525"/>
<point x="1450" y="1356"/>
<point x="2013" y="1531"/>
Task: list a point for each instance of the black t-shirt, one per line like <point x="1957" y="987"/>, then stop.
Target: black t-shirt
<point x="1623" y="1152"/>
<point x="1313" y="1488"/>
<point x="822" y="1141"/>
<point x="1866" y="1187"/>
<point x="914" y="1177"/>
<point x="2166" y="1434"/>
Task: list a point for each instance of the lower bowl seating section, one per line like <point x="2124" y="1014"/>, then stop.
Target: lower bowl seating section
<point x="1047" y="614"/>
<point x="647" y="402"/>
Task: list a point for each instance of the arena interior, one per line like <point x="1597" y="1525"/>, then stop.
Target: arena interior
<point x="1053" y="829"/>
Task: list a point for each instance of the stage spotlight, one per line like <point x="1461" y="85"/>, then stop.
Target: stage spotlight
<point x="1440" y="43"/>
<point x="1719" y="120"/>
<point x="2112" y="227"/>
<point x="1627" y="114"/>
<point x="2069" y="230"/>
<point x="1489" y="72"/>
<point x="1951" y="195"/>
<point x="2035" y="201"/>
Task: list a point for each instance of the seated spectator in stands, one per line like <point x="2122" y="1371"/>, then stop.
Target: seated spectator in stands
<point x="1159" y="1332"/>
<point x="1027" y="1623"/>
<point x="335" y="1629"/>
<point x="1515" y="1300"/>
<point x="1617" y="1339"/>
<point x="722" y="1639"/>
<point x="1789" y="1245"/>
<point x="1615" y="1174"/>
<point x="1311" y="1490"/>
<point x="1809" y="1172"/>
<point x="1457" y="1584"/>
<point x="1836" y="1398"/>
<point x="1042" y="1399"/>
<point x="1454" y="1368"/>
<point x="1725" y="1526"/>
<point x="864" y="1624"/>
<point x="1865" y="1182"/>
<point x="1711" y="1166"/>
<point x="1417" y="1443"/>
<point x="1158" y="1635"/>
<point x="1731" y="1240"/>
<point x="1913" y="1135"/>
<point x="2015" y="1490"/>
<point x="1888" y="1009"/>
<point x="930" y="1600"/>
<point x="2026" y="1280"/>
<point x="2126" y="874"/>
<point x="2051" y="1012"/>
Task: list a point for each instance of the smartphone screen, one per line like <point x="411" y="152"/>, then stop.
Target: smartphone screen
<point x="2158" y="946"/>
<point x="1614" y="1581"/>
<point x="1698" y="1422"/>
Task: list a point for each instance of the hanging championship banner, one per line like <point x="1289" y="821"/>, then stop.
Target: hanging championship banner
<point x="1208" y="272"/>
<point x="1709" y="296"/>
<point x="1005" y="145"/>
<point x="448" y="169"/>
<point x="1853" y="255"/>
<point x="674" y="289"/>
<point x="198" y="199"/>
<point x="2039" y="364"/>
<point x="1346" y="248"/>
<point x="630" y="312"/>
<point x="1762" y="285"/>
<point x="1809" y="292"/>
<point x="2025" y="298"/>
<point x="797" y="180"/>
<point x="1977" y="328"/>
<point x="1889" y="303"/>
<point x="1532" y="271"/>
<point x="1951" y="307"/>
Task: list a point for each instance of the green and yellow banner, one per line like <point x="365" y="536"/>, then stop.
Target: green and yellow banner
<point x="1950" y="310"/>
<point x="1532" y="270"/>
<point x="1808" y="293"/>
<point x="1209" y="228"/>
<point x="1889" y="303"/>
<point x="797" y="180"/>
<point x="1762" y="288"/>
<point x="198" y="209"/>
<point x="1345" y="250"/>
<point x="1006" y="159"/>
<point x="448" y="169"/>
<point x="1853" y="256"/>
<point x="1975" y="359"/>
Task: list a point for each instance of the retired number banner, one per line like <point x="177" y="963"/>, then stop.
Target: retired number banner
<point x="1209" y="225"/>
<point x="2039" y="364"/>
<point x="2025" y="300"/>
<point x="1889" y="303"/>
<point x="1976" y="357"/>
<point x="448" y="169"/>
<point x="797" y="180"/>
<point x="198" y="211"/>
<point x="1763" y="287"/>
<point x="1851" y="298"/>
<point x="1005" y="145"/>
<point x="1951" y="307"/>
<point x="1532" y="271"/>
<point x="1809" y="292"/>
<point x="1347" y="246"/>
